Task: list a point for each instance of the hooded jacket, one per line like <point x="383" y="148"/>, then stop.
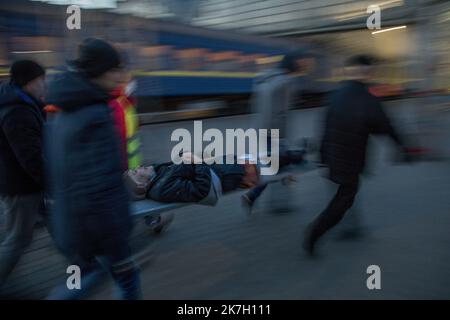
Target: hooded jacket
<point x="90" y="214"/>
<point x="21" y="123"/>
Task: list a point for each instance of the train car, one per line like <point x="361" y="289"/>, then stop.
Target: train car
<point x="190" y="68"/>
<point x="182" y="72"/>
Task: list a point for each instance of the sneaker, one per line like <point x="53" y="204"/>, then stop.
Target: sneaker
<point x="159" y="223"/>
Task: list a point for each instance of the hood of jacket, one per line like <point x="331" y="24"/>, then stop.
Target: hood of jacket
<point x="10" y="96"/>
<point x="71" y="91"/>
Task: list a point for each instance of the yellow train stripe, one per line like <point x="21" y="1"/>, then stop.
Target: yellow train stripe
<point x="178" y="73"/>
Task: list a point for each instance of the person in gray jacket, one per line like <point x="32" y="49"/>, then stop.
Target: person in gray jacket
<point x="273" y="93"/>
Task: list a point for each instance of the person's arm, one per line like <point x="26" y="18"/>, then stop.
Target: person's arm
<point x="381" y="124"/>
<point x="98" y="152"/>
<point x="24" y="135"/>
<point x="190" y="182"/>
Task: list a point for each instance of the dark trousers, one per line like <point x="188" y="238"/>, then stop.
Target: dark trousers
<point x="119" y="265"/>
<point x="21" y="212"/>
<point x="335" y="211"/>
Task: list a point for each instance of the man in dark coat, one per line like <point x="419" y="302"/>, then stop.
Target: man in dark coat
<point x="90" y="218"/>
<point x="21" y="162"/>
<point x="352" y="116"/>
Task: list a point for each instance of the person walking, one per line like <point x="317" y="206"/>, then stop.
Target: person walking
<point x="21" y="159"/>
<point x="90" y="217"/>
<point x="352" y="116"/>
<point x="273" y="93"/>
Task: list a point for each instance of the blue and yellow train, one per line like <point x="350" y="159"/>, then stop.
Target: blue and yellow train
<point x="182" y="71"/>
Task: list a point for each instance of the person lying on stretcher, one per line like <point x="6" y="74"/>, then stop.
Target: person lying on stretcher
<point x="189" y="182"/>
<point x="199" y="183"/>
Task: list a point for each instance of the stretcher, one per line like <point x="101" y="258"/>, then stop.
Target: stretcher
<point x="149" y="208"/>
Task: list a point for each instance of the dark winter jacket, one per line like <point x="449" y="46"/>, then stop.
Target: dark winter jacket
<point x="90" y="215"/>
<point x="21" y="161"/>
<point x="180" y="183"/>
<point x="352" y="115"/>
<point x="192" y="182"/>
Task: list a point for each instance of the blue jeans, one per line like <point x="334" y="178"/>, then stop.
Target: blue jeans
<point x="21" y="212"/>
<point x="124" y="272"/>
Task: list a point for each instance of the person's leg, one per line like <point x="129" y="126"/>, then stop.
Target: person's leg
<point x="249" y="198"/>
<point x="255" y="192"/>
<point x="282" y="198"/>
<point x="92" y="274"/>
<point x="352" y="225"/>
<point x="21" y="212"/>
<point x="127" y="276"/>
<point x="331" y="216"/>
<point x="120" y="264"/>
<point x="114" y="259"/>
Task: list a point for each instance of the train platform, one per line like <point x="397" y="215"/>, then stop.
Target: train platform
<point x="222" y="253"/>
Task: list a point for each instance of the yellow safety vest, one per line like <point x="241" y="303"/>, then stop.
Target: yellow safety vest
<point x="132" y="127"/>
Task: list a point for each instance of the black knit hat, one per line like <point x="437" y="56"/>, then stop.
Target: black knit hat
<point x="95" y="57"/>
<point x="24" y="71"/>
